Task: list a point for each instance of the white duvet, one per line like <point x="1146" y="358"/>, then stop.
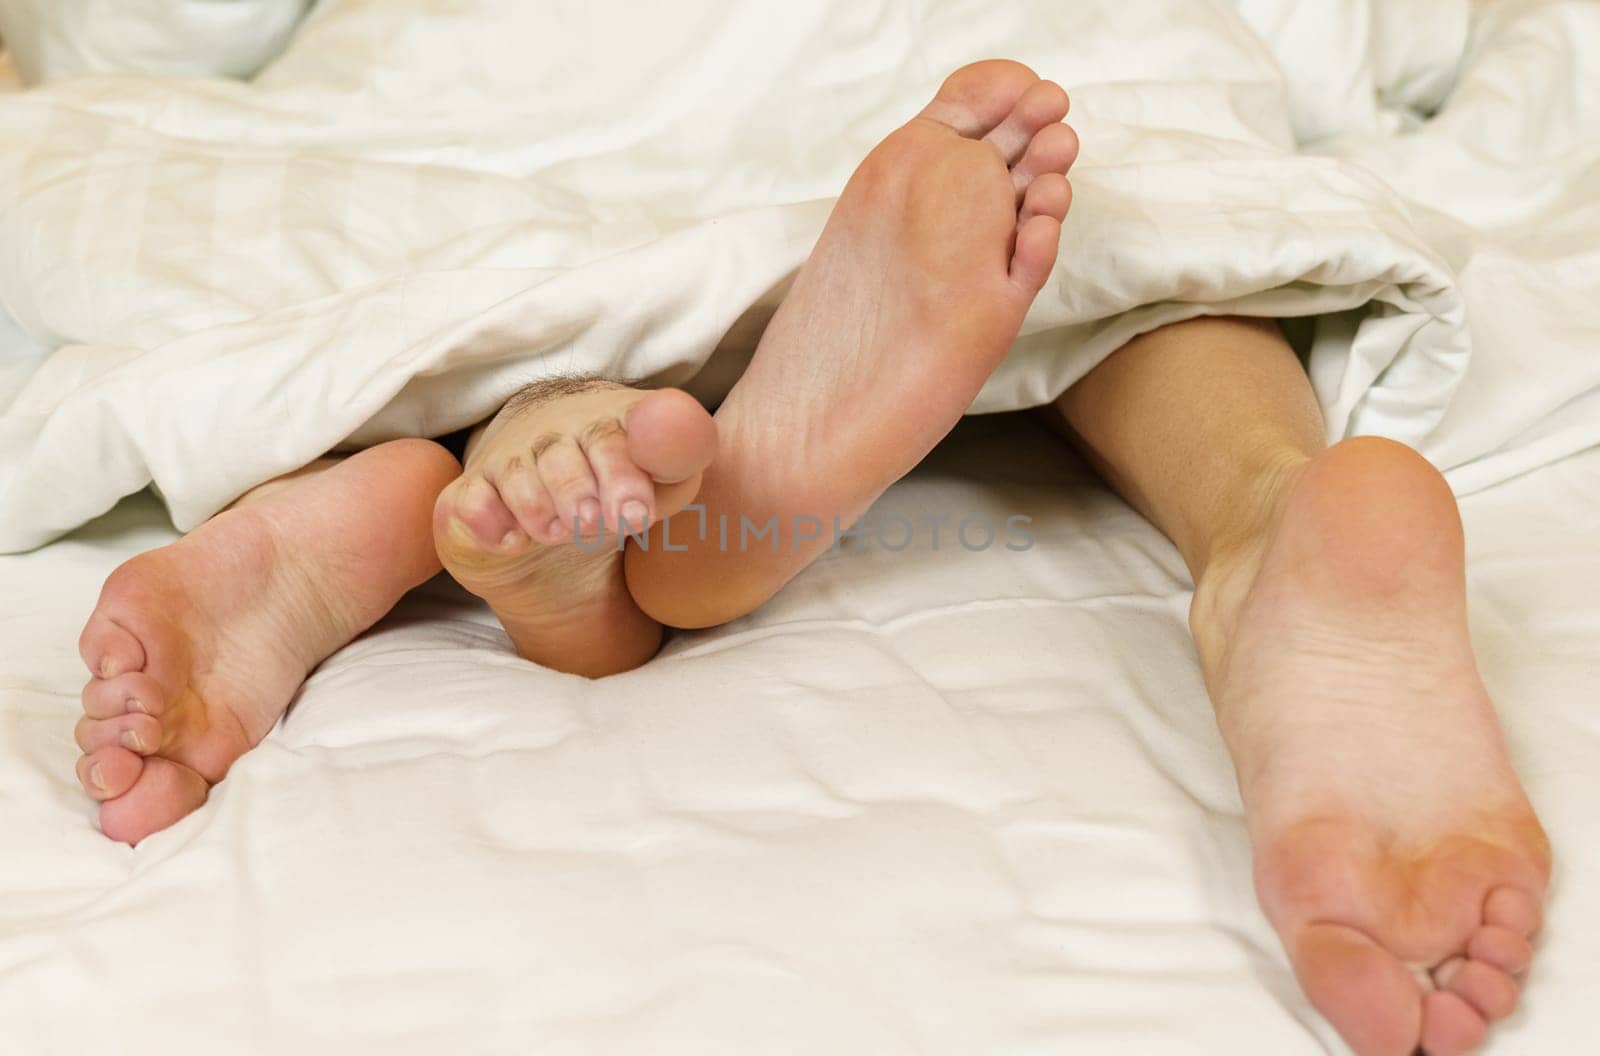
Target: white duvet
<point x="420" y="206"/>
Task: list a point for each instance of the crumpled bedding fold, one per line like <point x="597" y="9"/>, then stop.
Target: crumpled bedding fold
<point x="418" y="208"/>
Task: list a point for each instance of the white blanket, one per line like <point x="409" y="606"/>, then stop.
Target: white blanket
<point x="419" y="207"/>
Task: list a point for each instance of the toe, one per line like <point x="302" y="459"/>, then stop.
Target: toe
<point x="473" y="503"/>
<point x="673" y="439"/>
<point x="523" y="491"/>
<point x="1450" y="1026"/>
<point x="572" y="487"/>
<point x="670" y="436"/>
<point x="1491" y="992"/>
<point x="979" y="96"/>
<point x="109" y="649"/>
<point x="1050" y="195"/>
<point x="1505" y="949"/>
<point x="106" y="698"/>
<point x="1512" y="908"/>
<point x="1035" y="255"/>
<point x="140" y="734"/>
<point x="165" y="792"/>
<point x="1044" y="103"/>
<point x="627" y="495"/>
<point x="1051" y="152"/>
<point x="109" y="772"/>
<point x="1366" y="993"/>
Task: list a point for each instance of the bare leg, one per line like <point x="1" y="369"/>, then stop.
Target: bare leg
<point x="195" y="650"/>
<point x="1392" y="838"/>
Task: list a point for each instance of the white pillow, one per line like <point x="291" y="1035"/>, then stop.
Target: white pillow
<point x="52" y="39"/>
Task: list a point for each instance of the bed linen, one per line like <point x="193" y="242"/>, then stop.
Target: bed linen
<point x="936" y="801"/>
<point x="55" y="39"/>
<point x="419" y="207"/>
<point x="927" y="801"/>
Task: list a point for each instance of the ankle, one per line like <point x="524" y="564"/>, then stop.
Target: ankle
<point x="1228" y="565"/>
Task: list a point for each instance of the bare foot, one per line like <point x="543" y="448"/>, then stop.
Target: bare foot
<point x="592" y="455"/>
<point x="914" y="293"/>
<point x="1396" y="854"/>
<point x="196" y="649"/>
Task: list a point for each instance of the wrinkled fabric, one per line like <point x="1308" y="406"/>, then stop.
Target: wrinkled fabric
<point x="939" y="801"/>
<point x="419" y="207"/>
<point x="55" y="39"/>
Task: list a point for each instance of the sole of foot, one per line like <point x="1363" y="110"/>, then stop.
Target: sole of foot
<point x="196" y="649"/>
<point x="1396" y="854"/>
<point x="914" y="293"/>
<point x="553" y="488"/>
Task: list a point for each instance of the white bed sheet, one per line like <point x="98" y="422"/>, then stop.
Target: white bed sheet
<point x="927" y="802"/>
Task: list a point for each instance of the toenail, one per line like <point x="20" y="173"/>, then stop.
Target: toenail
<point x="135" y="704"/>
<point x="131" y="740"/>
<point x="510" y="539"/>
<point x="635" y="514"/>
<point x="589" y="511"/>
<point x="95" y="777"/>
